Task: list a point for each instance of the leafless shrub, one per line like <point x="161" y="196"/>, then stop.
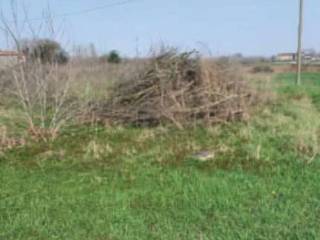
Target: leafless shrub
<point x="40" y="88"/>
<point x="177" y="88"/>
<point x="42" y="91"/>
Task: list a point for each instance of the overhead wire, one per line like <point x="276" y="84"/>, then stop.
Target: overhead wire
<point x="84" y="11"/>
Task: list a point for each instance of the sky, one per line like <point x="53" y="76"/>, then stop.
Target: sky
<point x="219" y="27"/>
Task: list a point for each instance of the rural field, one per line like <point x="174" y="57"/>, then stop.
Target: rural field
<point x="141" y="120"/>
<point x="99" y="181"/>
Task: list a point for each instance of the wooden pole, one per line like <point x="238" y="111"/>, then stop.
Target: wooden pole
<point x="299" y="52"/>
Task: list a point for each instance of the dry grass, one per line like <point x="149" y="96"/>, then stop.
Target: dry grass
<point x="94" y="79"/>
<point x="7" y="142"/>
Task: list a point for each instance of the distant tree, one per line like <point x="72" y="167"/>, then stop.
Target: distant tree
<point x="114" y="57"/>
<point x="44" y="50"/>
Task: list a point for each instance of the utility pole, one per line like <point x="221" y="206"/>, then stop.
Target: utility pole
<point x="299" y="52"/>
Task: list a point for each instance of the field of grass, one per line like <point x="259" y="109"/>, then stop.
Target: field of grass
<point x="127" y="183"/>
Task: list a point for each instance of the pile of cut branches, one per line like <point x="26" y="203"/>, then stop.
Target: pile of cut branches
<point x="177" y="88"/>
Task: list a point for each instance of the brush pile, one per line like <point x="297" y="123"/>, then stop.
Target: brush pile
<point x="177" y="88"/>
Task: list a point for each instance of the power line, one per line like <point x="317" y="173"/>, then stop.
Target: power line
<point x="85" y="11"/>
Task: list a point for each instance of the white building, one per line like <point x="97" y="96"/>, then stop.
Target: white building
<point x="286" y="57"/>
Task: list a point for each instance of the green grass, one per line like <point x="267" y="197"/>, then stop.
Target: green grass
<point x="310" y="86"/>
<point x="129" y="183"/>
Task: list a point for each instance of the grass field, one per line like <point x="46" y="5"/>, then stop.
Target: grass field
<point x="128" y="183"/>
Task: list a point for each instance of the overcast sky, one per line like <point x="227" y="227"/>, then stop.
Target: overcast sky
<point x="252" y="27"/>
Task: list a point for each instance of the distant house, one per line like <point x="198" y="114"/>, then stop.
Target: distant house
<point x="10" y="58"/>
<point x="286" y="57"/>
<point x="310" y="56"/>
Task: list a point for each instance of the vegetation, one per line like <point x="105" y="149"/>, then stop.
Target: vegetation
<point x="179" y="89"/>
<point x="45" y="51"/>
<point x="96" y="182"/>
<point x="68" y="172"/>
<point x="112" y="57"/>
<point x="262" y="69"/>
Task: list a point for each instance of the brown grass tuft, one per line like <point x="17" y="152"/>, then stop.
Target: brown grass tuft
<point x="7" y="142"/>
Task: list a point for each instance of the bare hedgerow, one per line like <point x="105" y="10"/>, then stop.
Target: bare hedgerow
<point x="178" y="88"/>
